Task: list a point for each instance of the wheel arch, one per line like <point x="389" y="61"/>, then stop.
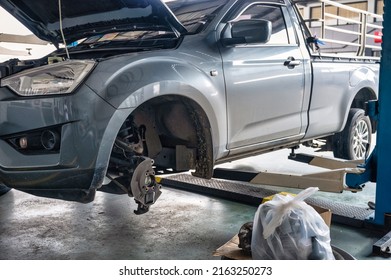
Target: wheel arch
<point x="148" y="81"/>
<point x="178" y="124"/>
<point x="360" y="100"/>
<point x="203" y="123"/>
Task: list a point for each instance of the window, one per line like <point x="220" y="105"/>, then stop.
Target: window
<point x="353" y="15"/>
<point x="275" y="16"/>
<point x="301" y="11"/>
<point x="379" y="7"/>
<point x="316" y="12"/>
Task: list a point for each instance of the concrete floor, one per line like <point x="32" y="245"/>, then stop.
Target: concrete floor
<point x="180" y="226"/>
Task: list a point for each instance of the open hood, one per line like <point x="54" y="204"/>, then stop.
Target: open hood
<point x="83" y="18"/>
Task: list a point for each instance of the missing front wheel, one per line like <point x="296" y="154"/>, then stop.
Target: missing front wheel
<point x="139" y="182"/>
<point x="144" y="187"/>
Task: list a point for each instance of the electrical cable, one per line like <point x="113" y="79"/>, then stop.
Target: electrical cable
<point x="62" y="32"/>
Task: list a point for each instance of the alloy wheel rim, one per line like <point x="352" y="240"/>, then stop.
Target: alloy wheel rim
<point x="360" y="140"/>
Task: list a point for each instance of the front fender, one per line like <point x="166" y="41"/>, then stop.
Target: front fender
<point x="107" y="142"/>
<point x="129" y="81"/>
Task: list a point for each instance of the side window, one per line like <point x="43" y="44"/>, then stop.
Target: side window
<point x="275" y="16"/>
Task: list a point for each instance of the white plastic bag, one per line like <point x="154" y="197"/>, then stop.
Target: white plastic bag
<point x="287" y="228"/>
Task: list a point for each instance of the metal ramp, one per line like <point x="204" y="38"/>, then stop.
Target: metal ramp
<point x="253" y="195"/>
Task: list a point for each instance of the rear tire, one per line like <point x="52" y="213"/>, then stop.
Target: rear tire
<point x="354" y="142"/>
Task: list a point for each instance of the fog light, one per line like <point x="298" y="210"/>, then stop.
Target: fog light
<point x="23" y="143"/>
<point x="36" y="142"/>
<point x="49" y="139"/>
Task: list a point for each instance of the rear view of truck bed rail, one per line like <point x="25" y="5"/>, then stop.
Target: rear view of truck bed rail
<point x="342" y="28"/>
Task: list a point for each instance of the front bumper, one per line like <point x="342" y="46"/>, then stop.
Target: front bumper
<point x="72" y="170"/>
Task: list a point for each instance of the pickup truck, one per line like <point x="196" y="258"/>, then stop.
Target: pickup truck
<point x="141" y="87"/>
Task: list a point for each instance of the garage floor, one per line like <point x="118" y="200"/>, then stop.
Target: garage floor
<point x="181" y="225"/>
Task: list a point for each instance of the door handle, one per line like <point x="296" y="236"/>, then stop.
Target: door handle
<point x="291" y="62"/>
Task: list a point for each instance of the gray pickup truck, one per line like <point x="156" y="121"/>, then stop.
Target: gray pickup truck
<point x="138" y="87"/>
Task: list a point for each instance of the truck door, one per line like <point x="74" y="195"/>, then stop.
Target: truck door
<point x="264" y="82"/>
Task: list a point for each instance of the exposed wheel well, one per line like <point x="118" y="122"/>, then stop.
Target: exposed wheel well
<point x="175" y="132"/>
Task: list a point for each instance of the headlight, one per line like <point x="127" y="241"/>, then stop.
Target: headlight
<point x="58" y="78"/>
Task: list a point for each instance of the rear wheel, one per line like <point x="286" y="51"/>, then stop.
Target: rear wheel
<point x="354" y="142"/>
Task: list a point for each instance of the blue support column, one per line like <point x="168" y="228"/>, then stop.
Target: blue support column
<point x="383" y="142"/>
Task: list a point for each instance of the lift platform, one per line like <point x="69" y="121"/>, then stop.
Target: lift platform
<point x="252" y="187"/>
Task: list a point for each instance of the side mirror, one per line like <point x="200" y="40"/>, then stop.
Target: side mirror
<point x="252" y="31"/>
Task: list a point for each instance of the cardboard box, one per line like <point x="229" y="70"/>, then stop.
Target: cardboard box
<point x="231" y="250"/>
<point x="324" y="213"/>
